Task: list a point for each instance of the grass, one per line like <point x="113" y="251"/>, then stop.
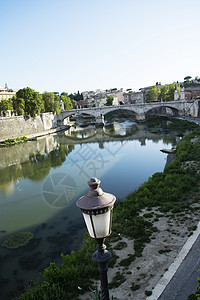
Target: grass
<point x="148" y="293"/>
<point x="13" y="141"/>
<point x="118" y="279"/>
<point x="127" y="261"/>
<point x="120" y="246"/>
<point x="135" y="287"/>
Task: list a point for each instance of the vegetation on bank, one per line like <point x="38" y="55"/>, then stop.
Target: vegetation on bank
<point x="167" y="191"/>
<point x="9" y="142"/>
<point x="28" y="101"/>
<point x="196" y="294"/>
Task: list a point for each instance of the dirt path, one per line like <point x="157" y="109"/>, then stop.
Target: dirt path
<point x="143" y="274"/>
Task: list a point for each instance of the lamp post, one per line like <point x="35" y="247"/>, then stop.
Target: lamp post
<point x="97" y="207"/>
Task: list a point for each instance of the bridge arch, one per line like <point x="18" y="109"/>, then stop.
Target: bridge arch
<point x="66" y="114"/>
<point x="163" y="109"/>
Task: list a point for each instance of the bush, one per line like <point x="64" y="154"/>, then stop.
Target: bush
<point x="148" y="293"/>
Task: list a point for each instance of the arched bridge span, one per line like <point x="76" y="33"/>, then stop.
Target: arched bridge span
<point x="180" y="107"/>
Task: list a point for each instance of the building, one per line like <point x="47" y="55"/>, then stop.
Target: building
<point x="192" y="93"/>
<point x="90" y="98"/>
<point x="133" y="97"/>
<point x="6" y="93"/>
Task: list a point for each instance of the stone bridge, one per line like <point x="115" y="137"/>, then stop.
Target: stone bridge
<point x="179" y="108"/>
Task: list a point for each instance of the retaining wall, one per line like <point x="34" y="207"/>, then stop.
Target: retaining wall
<point x="18" y="126"/>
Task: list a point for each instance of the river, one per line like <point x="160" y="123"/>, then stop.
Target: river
<point x="41" y="180"/>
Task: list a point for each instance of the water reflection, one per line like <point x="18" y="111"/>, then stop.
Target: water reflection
<point x="35" y="159"/>
<point x="35" y="168"/>
<point x="40" y="181"/>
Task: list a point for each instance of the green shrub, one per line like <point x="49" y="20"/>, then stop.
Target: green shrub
<point x="127" y="261"/>
<point x="118" y="279"/>
<point x="196" y="295"/>
<point x="120" y="245"/>
<point x="148" y="293"/>
<point x="135" y="287"/>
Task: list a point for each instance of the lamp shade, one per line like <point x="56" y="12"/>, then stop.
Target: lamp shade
<point x="97" y="208"/>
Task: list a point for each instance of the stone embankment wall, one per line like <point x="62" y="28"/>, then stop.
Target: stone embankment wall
<point x="12" y="127"/>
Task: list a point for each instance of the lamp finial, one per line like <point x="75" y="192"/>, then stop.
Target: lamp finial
<point x="95" y="190"/>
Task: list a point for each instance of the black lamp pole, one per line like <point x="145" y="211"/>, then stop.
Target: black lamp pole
<point x="101" y="256"/>
<point x="97" y="208"/>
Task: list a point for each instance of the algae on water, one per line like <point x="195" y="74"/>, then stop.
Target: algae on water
<point x="17" y="240"/>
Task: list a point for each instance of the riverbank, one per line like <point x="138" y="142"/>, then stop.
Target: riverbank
<point x="31" y="136"/>
<point x="149" y="229"/>
<point x="46" y="132"/>
<point x="176" y="229"/>
<point x="142" y="275"/>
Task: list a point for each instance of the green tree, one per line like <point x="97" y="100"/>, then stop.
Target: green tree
<point x="51" y="102"/>
<point x="67" y="102"/>
<point x="49" y="99"/>
<point x="6" y="105"/>
<point x="152" y="94"/>
<point x="77" y="96"/>
<point x="18" y="105"/>
<point x="171" y="90"/>
<point x="163" y="93"/>
<point x="33" y="101"/>
<point x="57" y="106"/>
<point x="74" y="103"/>
<point x="71" y="97"/>
<point x="187" y="78"/>
<point x="109" y="101"/>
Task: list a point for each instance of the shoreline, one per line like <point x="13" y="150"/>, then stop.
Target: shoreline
<point x="153" y="271"/>
<point x="31" y="136"/>
<point x="146" y="261"/>
<point x="148" y="276"/>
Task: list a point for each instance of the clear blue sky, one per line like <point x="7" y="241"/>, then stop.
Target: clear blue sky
<point x="71" y="45"/>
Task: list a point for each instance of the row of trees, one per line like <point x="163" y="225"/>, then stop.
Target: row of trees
<point x="165" y="92"/>
<point x="28" y="101"/>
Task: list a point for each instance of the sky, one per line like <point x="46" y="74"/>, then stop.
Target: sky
<point x="71" y="45"/>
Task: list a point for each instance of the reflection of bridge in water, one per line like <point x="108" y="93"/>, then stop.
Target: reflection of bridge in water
<point x="100" y="135"/>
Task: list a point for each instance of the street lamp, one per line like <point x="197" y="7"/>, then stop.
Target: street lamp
<point x="97" y="207"/>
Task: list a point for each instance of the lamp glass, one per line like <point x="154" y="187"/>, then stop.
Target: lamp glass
<point x="98" y="226"/>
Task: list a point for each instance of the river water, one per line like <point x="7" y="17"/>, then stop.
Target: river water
<point x="41" y="180"/>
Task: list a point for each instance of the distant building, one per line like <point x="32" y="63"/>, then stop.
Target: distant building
<point x="192" y="93"/>
<point x="86" y="103"/>
<point x="144" y="92"/>
<point x="120" y="96"/>
<point x="91" y="97"/>
<point x="6" y="93"/>
<point x="133" y="97"/>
